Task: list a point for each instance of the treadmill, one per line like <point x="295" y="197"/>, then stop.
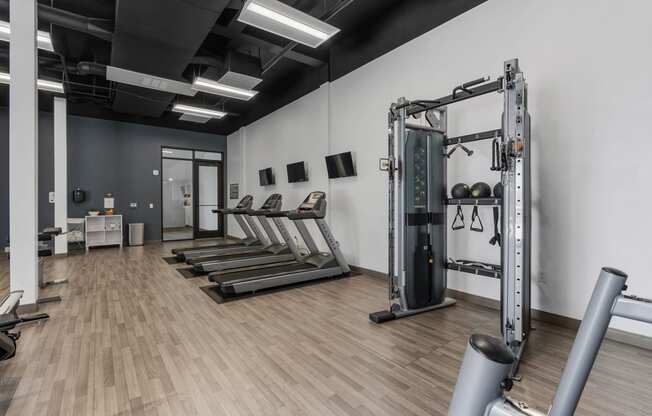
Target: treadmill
<point x="239" y="213"/>
<point x="315" y="265"/>
<point x="274" y="252"/>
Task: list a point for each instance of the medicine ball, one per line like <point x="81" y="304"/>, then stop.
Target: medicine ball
<point x="498" y="190"/>
<point x="461" y="190"/>
<point x="480" y="190"/>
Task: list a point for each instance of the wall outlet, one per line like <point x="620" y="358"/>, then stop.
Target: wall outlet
<point x="133" y="205"/>
<point x="151" y="205"/>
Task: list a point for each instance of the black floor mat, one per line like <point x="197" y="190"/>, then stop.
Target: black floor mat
<point x="189" y="273"/>
<point x="171" y="260"/>
<point x="214" y="292"/>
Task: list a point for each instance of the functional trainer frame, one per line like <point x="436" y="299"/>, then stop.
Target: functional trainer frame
<point x="416" y="164"/>
<point x="484" y="377"/>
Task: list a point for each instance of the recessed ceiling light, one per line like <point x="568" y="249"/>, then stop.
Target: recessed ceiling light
<point x="214" y="87"/>
<point x="283" y="20"/>
<point x="198" y="111"/>
<point x="42" y="84"/>
<point x="43" y="39"/>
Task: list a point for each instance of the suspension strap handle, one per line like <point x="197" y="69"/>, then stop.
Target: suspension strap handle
<point x="476" y="216"/>
<point x="497" y="237"/>
<point x="458" y="216"/>
<point x="495" y="155"/>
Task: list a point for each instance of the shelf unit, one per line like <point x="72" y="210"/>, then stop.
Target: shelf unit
<point x="103" y="230"/>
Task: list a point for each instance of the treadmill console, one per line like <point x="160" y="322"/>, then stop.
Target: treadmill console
<point x="273" y="203"/>
<point x="313" y="207"/>
<point x="312" y="202"/>
<point x="245" y="203"/>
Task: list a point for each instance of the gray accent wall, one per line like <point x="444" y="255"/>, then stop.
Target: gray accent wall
<point x="103" y="156"/>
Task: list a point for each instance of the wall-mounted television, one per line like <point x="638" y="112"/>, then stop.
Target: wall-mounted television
<point x="297" y="172"/>
<point x="340" y="165"/>
<point x="266" y="177"/>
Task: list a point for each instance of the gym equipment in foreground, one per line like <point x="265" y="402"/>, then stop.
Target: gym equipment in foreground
<point x="416" y="165"/>
<point x="45" y="249"/>
<point x="485" y="373"/>
<point x="9" y="319"/>
<point x="314" y="265"/>
<point x="274" y="252"/>
<point x="252" y="234"/>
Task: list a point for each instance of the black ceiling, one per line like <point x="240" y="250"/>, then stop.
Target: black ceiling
<point x="178" y="39"/>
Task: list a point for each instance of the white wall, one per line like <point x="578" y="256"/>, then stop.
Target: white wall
<point x="588" y="66"/>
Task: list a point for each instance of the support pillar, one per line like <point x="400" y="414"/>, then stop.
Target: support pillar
<point x="23" y="150"/>
<point x="60" y="174"/>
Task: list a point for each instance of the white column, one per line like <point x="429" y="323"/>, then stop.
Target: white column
<point x="23" y="150"/>
<point x="60" y="174"/>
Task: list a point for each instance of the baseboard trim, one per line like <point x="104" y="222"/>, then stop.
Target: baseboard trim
<point x="617" y="335"/>
<point x="368" y="272"/>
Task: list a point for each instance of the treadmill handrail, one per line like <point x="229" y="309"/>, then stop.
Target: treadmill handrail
<point x="277" y="214"/>
<point x="304" y="215"/>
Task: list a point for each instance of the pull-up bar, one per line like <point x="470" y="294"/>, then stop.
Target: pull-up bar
<point x="460" y="93"/>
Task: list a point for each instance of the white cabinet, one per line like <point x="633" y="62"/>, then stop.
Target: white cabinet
<point x="103" y="230"/>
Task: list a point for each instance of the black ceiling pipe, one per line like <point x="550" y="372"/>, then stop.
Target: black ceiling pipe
<point x="68" y="20"/>
<point x="91" y="68"/>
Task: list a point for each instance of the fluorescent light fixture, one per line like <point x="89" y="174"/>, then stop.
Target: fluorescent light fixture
<point x="51" y="86"/>
<point x="283" y="20"/>
<point x="198" y="111"/>
<point x="42" y="84"/>
<point x="195" y="119"/>
<point x="43" y="39"/>
<point x="214" y="87"/>
<point x="236" y="79"/>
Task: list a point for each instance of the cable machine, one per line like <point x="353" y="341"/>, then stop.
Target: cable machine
<point x="418" y="202"/>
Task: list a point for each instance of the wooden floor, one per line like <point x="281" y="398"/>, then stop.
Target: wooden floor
<point x="132" y="337"/>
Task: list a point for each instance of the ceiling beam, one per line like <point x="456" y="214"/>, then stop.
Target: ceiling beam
<point x="238" y="39"/>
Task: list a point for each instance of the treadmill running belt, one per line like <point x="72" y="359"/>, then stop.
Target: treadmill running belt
<point x="219" y="244"/>
<point x="226" y="278"/>
<point x="225" y="257"/>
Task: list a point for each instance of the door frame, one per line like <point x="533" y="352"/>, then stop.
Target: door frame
<point x="221" y="182"/>
<point x="195" y="198"/>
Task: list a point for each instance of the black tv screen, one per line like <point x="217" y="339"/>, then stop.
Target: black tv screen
<point x="266" y="177"/>
<point x="297" y="172"/>
<point x="340" y="165"/>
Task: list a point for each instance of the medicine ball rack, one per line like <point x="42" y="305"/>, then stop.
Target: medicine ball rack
<point x="416" y="164"/>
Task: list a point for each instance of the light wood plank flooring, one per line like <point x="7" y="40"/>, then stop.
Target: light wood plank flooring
<point x="132" y="337"/>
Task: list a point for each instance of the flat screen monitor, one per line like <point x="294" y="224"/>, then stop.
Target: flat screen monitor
<point x="266" y="177"/>
<point x="340" y="165"/>
<point x="297" y="172"/>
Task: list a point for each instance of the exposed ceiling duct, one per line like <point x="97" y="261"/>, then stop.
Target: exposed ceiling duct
<point x="161" y="38"/>
<point x="67" y="19"/>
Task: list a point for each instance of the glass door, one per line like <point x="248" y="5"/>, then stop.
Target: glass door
<point x="208" y="197"/>
<point x="177" y="220"/>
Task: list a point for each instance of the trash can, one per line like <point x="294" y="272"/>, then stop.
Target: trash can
<point x="136" y="234"/>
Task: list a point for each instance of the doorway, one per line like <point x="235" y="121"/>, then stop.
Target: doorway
<point x="208" y="198"/>
<point x="192" y="187"/>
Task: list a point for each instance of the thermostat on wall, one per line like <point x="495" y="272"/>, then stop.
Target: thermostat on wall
<point x="155" y="172"/>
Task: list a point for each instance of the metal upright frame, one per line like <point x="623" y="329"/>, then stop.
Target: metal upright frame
<point x="514" y="154"/>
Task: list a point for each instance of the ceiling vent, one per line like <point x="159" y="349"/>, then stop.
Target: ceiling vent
<point x="138" y="79"/>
